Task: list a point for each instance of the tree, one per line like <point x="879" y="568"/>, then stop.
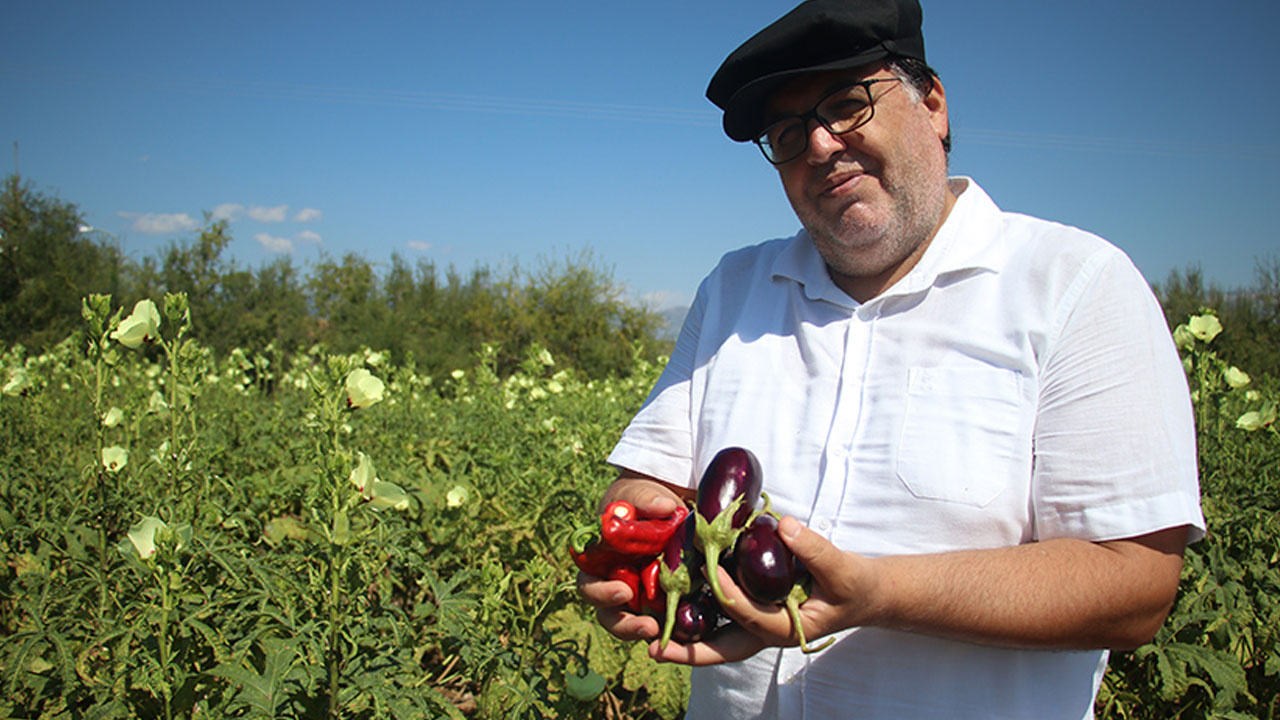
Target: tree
<point x="46" y="266"/>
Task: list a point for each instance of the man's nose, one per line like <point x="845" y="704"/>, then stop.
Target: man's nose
<point x="823" y="143"/>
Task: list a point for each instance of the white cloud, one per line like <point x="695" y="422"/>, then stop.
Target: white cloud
<point x="419" y="245"/>
<point x="227" y="211"/>
<point x="274" y="244"/>
<point x="160" y="223"/>
<point x="666" y="299"/>
<point x="308" y="215"/>
<point x="310" y="236"/>
<point x="269" y="214"/>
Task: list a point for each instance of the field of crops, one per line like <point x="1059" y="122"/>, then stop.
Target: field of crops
<point x="290" y="533"/>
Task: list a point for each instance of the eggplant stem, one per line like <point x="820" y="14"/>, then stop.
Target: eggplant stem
<point x="676" y="584"/>
<point x="798" y="595"/>
<point x="713" y="538"/>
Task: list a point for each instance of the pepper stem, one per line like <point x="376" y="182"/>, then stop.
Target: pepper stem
<point x="584" y="535"/>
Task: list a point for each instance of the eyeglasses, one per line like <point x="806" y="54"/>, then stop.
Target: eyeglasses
<point x="840" y="112"/>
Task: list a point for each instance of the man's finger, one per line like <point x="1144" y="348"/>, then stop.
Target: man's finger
<point x="818" y="555"/>
<point x="758" y="618"/>
<point x="625" y="626"/>
<point x="655" y="503"/>
<point x="603" y="593"/>
<point x="729" y="644"/>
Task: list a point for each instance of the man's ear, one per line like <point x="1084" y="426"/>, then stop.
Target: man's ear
<point x="936" y="103"/>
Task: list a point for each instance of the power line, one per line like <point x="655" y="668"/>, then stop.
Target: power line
<point x="595" y="110"/>
<point x="380" y="97"/>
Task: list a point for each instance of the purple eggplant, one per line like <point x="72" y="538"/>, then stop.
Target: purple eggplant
<point x="768" y="572"/>
<point x="727" y="496"/>
<point x="765" y="568"/>
<point x="733" y="473"/>
<point x="680" y="572"/>
<point x="696" y="617"/>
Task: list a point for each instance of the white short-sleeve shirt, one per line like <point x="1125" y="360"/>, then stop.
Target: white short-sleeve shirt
<point x="1019" y="384"/>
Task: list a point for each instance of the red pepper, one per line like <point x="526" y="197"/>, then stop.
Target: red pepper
<point x="623" y="531"/>
<point x="628" y="575"/>
<point x="596" y="559"/>
<point x="654" y="596"/>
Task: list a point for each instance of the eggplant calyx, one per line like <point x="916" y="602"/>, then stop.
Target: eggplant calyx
<point x="676" y="584"/>
<point x="713" y="538"/>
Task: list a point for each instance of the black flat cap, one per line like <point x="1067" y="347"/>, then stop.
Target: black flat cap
<point x="817" y="35"/>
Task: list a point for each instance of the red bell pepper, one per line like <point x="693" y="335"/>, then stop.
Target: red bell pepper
<point x="622" y="530"/>
<point x="624" y="547"/>
<point x="596" y="559"/>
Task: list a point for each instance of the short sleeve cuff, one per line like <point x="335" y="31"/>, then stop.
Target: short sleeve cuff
<point x="652" y="460"/>
<point x="1129" y="519"/>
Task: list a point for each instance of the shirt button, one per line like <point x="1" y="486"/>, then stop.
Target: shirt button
<point x="824" y="524"/>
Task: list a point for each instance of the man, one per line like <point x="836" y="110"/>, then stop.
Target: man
<point x="979" y="416"/>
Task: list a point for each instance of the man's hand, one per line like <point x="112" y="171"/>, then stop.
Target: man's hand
<point x="1054" y="594"/>
<point x="838" y="598"/>
<point x="651" y="498"/>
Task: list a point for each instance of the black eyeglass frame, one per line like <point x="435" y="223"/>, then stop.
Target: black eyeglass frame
<point x="812" y="114"/>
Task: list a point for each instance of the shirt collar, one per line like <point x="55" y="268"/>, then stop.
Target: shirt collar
<point x="968" y="241"/>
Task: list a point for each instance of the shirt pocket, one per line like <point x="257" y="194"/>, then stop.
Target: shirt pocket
<point x="959" y="440"/>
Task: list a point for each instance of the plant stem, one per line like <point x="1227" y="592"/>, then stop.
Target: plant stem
<point x="171" y="351"/>
<point x="335" y="585"/>
<point x="333" y="653"/>
<point x="163" y="642"/>
<point x="101" y="475"/>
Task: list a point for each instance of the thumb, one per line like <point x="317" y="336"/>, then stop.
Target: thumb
<point x="816" y="552"/>
<point x="655" y="503"/>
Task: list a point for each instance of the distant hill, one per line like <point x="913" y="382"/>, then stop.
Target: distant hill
<point x="673" y="318"/>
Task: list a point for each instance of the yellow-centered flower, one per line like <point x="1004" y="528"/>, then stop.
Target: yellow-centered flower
<point x="142" y="325"/>
<point x="1235" y="377"/>
<point x="363" y="389"/>
<point x="143" y="535"/>
<point x="1204" y="327"/>
<point x="114" y="458"/>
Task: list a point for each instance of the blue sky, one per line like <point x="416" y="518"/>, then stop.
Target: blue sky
<point x="514" y="133"/>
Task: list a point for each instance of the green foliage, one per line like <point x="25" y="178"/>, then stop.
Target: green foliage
<point x="334" y="535"/>
<point x="1218" y="655"/>
<point x="1252" y="313"/>
<point x="46" y="266"/>
<point x="320" y="535"/>
<point x="573" y="307"/>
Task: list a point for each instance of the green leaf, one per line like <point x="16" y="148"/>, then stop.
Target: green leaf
<point x="668" y="685"/>
<point x="284" y="527"/>
<point x="106" y="711"/>
<point x="341" y="528"/>
<point x="264" y="691"/>
<point x="1223" y="669"/>
<point x="585" y="685"/>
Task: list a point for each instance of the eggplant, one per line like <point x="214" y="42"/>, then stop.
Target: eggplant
<point x="734" y="473"/>
<point x="726" y="502"/>
<point x="696" y="617"/>
<point x="768" y="572"/>
<point x="680" y="572"/>
<point x="765" y="568"/>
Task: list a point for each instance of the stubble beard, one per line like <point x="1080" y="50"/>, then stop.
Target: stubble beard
<point x="855" y="246"/>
